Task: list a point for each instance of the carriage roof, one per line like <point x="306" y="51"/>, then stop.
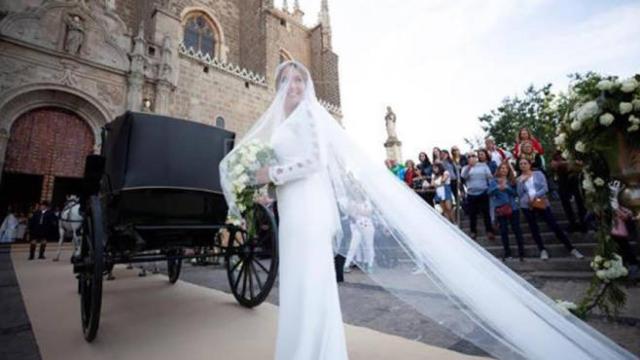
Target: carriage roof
<point x="152" y="151"/>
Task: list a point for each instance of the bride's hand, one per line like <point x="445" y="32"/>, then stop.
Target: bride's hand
<point x="262" y="175"/>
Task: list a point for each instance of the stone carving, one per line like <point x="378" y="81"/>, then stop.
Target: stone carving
<point x="68" y="77"/>
<point x="165" y="67"/>
<point x="74" y="37"/>
<point x="390" y="121"/>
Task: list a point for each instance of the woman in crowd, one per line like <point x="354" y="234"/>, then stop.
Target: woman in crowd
<point x="477" y="175"/>
<point x="532" y="194"/>
<point x="528" y="151"/>
<point x="525" y="135"/>
<point x="483" y="157"/>
<point x="454" y="174"/>
<point x="503" y="193"/>
<point x="435" y="154"/>
<point x="411" y="173"/>
<point x="443" y="196"/>
<point x="424" y="165"/>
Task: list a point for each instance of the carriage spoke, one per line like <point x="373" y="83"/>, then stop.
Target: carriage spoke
<point x="256" y="273"/>
<point x="261" y="266"/>
<point x="244" y="280"/>
<point x="237" y="282"/>
<point x="250" y="279"/>
<point x="235" y="266"/>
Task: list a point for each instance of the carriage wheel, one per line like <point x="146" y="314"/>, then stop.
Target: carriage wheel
<point x="252" y="257"/>
<point x="174" y="265"/>
<point x="91" y="253"/>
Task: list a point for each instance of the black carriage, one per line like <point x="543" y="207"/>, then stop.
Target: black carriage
<point x="154" y="194"/>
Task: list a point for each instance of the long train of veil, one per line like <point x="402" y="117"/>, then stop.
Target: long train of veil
<point x="461" y="287"/>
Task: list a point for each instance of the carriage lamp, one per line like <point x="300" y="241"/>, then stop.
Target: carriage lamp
<point x="146" y="102"/>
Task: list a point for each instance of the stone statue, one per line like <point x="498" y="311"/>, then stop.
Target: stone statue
<point x="75" y="34"/>
<point x="390" y="120"/>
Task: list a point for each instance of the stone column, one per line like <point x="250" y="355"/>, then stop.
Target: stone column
<point x="136" y="75"/>
<point x="4" y="142"/>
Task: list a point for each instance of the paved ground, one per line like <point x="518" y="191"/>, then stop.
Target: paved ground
<point x="147" y="318"/>
<point x="16" y="336"/>
<point x="365" y="304"/>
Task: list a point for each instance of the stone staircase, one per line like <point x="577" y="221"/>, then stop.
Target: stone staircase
<point x="561" y="264"/>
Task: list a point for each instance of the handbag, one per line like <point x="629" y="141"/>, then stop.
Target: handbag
<point x="539" y="204"/>
<point x="504" y="211"/>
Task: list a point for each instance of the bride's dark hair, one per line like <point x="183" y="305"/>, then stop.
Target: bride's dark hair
<point x="290" y="64"/>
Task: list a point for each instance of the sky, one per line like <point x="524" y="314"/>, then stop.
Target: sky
<point x="440" y="64"/>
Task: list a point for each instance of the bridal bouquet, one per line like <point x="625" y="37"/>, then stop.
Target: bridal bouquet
<point x="247" y="160"/>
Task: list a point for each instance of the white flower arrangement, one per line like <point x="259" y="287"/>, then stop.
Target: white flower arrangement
<point x="566" y="306"/>
<point x="634" y="119"/>
<point x="625" y="107"/>
<point x="605" y="85"/>
<point x="560" y="139"/>
<point x="606" y="119"/>
<point x="633" y="128"/>
<point x="247" y="160"/>
<point x="588" y="111"/>
<point x="629" y="85"/>
<point x="576" y="125"/>
<point x="636" y="104"/>
<point x="609" y="269"/>
<point x="599" y="182"/>
<point x="581" y="147"/>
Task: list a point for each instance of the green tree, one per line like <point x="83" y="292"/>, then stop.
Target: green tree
<point x="536" y="110"/>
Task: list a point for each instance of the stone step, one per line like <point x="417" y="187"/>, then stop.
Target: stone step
<point x="547" y="238"/>
<point x="560" y="275"/>
<point x="560" y="217"/>
<point x="524" y="226"/>
<point x="554" y="250"/>
<point x="557" y="264"/>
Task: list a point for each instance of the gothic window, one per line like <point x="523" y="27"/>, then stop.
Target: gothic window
<point x="220" y="122"/>
<point x="200" y="34"/>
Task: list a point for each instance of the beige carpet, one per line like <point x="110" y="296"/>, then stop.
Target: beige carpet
<point x="146" y="318"/>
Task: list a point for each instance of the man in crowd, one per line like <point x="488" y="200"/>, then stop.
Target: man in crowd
<point x="496" y="154"/>
<point x="43" y="226"/>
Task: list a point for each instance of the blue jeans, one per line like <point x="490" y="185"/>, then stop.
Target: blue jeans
<point x="504" y="222"/>
<point x="548" y="217"/>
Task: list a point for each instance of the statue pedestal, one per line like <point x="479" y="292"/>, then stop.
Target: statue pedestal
<point x="394" y="150"/>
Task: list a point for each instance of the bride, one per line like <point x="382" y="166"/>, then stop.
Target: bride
<point x="319" y="175"/>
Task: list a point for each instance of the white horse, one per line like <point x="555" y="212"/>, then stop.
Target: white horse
<point x="69" y="224"/>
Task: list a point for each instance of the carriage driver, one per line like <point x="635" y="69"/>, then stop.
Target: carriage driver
<point x="43" y="226"/>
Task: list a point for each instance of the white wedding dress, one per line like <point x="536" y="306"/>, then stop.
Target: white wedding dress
<point x="319" y="174"/>
<point x="310" y="322"/>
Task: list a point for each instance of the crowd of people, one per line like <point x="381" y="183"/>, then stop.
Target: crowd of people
<point x="498" y="185"/>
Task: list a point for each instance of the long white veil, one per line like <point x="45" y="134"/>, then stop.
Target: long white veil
<point x="461" y="287"/>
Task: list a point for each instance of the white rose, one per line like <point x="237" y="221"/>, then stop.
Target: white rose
<point x="576" y="125"/>
<point x="625" y="107"/>
<point x="604" y="85"/>
<point x="634" y="120"/>
<point x="566" y="154"/>
<point x="598" y="258"/>
<point x="588" y="110"/>
<point x="560" y="139"/>
<point x="598" y="182"/>
<point x="636" y="104"/>
<point x="633" y="128"/>
<point x="629" y="85"/>
<point x="587" y="185"/>
<point x="581" y="147"/>
<point x="607" y="264"/>
<point x="606" y="119"/>
<point x="601" y="274"/>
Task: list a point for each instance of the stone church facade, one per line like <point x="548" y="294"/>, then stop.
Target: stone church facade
<point x="67" y="67"/>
